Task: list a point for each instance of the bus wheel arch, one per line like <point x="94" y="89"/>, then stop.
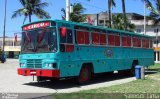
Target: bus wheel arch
<point x="85" y="73"/>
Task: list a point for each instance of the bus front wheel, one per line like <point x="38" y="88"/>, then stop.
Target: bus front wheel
<point x="85" y="75"/>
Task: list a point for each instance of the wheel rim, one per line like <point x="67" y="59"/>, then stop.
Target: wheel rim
<point x="84" y="75"/>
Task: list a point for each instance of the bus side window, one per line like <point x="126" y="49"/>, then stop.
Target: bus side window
<point x="126" y="41"/>
<point x="69" y="36"/>
<point x="136" y="42"/>
<point x="95" y="38"/>
<point x="66" y="40"/>
<point x="145" y="43"/>
<point x="66" y="37"/>
<point x="117" y="40"/>
<point x="113" y="40"/>
<point x="151" y="44"/>
<point x="103" y="39"/>
<point x="82" y="37"/>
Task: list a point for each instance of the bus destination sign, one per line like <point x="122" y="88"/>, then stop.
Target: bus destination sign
<point x="36" y="25"/>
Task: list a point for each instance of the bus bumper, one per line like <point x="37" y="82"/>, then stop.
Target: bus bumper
<point x="39" y="72"/>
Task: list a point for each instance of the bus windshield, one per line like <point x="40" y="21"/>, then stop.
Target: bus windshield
<point x="39" y="41"/>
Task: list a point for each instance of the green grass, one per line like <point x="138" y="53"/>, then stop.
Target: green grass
<point x="151" y="84"/>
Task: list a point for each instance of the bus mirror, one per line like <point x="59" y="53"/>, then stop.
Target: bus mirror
<point x="63" y="31"/>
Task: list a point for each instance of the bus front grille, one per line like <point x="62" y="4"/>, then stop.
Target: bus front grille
<point x="34" y="63"/>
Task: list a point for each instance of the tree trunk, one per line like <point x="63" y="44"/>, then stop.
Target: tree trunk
<point x="109" y="12"/>
<point x="30" y="19"/>
<point x="124" y="14"/>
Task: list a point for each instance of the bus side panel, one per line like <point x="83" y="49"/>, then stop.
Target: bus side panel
<point x="104" y="59"/>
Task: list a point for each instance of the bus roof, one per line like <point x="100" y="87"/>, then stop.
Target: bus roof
<point x="90" y="26"/>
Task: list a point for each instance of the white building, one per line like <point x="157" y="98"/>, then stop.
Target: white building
<point x="12" y="48"/>
<point x="138" y="21"/>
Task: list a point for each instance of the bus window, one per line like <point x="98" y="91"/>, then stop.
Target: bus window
<point x="136" y="42"/>
<point x="151" y="44"/>
<point x="82" y="37"/>
<point x="96" y="38"/>
<point x="117" y="40"/>
<point x="113" y="40"/>
<point x="126" y="41"/>
<point x="66" y="40"/>
<point x="102" y="39"/>
<point x="86" y="35"/>
<point x="145" y="43"/>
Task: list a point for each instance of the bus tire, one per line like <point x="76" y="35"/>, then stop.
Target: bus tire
<point x="132" y="71"/>
<point x="85" y="75"/>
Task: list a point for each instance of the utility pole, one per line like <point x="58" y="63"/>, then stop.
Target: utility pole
<point x="4" y="31"/>
<point x="144" y="17"/>
<point x="157" y="45"/>
<point x="67" y="9"/>
<point x="3" y="59"/>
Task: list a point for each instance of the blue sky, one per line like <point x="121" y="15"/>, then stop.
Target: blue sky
<point x="94" y="6"/>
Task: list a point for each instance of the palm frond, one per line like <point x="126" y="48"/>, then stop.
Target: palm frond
<point x="19" y="12"/>
<point x="31" y="7"/>
<point x="154" y="11"/>
<point x="113" y="3"/>
<point x="63" y="14"/>
<point x="41" y="5"/>
<point x="41" y="14"/>
<point x="23" y="2"/>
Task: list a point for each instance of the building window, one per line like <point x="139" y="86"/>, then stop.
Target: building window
<point x="156" y="30"/>
<point x="139" y="30"/>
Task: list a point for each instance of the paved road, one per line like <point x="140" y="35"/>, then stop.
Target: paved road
<point x="10" y="82"/>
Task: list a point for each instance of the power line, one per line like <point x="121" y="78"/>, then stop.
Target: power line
<point x="90" y="5"/>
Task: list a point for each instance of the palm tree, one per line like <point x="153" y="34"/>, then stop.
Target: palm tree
<point x="118" y="23"/>
<point x="76" y="15"/>
<point x="124" y="14"/>
<point x="124" y="11"/>
<point x="155" y="11"/>
<point x="32" y="7"/>
<point x="111" y="3"/>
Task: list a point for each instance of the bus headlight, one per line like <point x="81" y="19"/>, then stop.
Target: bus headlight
<point x="48" y="65"/>
<point x="22" y="64"/>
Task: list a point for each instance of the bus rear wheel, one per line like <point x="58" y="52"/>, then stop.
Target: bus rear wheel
<point x="85" y="75"/>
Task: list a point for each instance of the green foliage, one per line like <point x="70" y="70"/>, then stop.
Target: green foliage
<point x="155" y="10"/>
<point x="76" y="15"/>
<point x="118" y="23"/>
<point x="32" y="7"/>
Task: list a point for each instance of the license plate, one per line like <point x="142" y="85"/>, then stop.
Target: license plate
<point x="33" y="72"/>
